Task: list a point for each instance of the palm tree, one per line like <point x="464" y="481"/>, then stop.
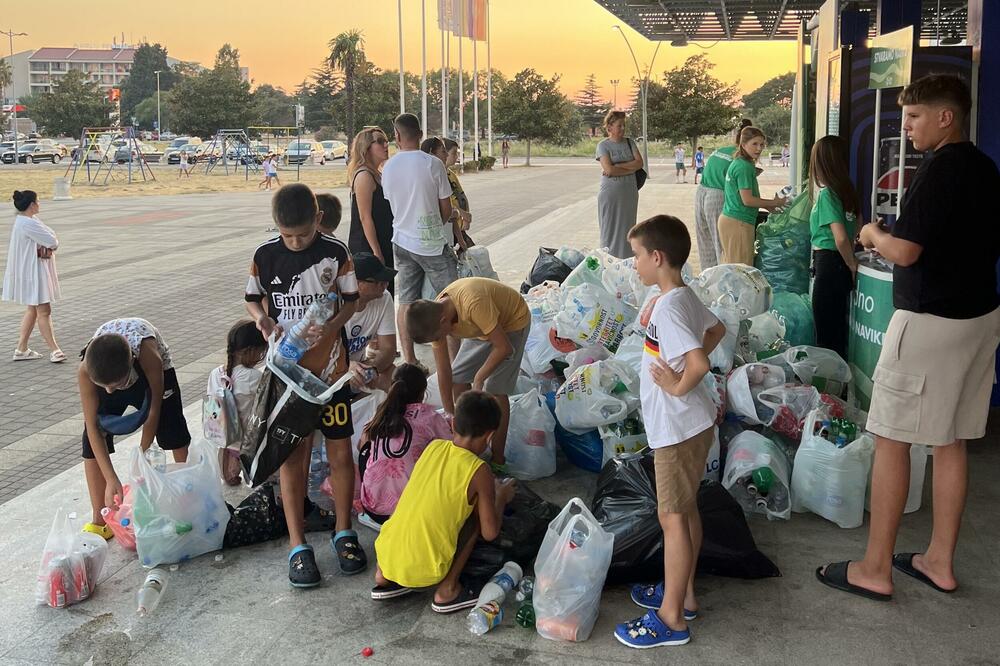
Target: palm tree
<point x="6" y="77"/>
<point x="347" y="52"/>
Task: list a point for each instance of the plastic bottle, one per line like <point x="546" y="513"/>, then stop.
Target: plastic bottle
<point x="484" y="618"/>
<point x="501" y="584"/>
<point x="525" y="614"/>
<point x="293" y="344"/>
<point x="763" y="479"/>
<point x="526" y="588"/>
<point x="157" y="457"/>
<point x="152" y="589"/>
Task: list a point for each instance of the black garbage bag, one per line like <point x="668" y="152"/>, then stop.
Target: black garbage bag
<point x="727" y="547"/>
<point x="524" y="523"/>
<point x="546" y="267"/>
<point x="625" y="505"/>
<point x="257" y="519"/>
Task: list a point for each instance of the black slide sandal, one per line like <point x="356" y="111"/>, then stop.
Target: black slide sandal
<point x="467" y="598"/>
<point x="904" y="562"/>
<point x="836" y="577"/>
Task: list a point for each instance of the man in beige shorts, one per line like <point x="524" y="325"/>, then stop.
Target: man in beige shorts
<point x="934" y="377"/>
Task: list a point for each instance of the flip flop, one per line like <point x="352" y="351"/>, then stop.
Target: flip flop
<point x="390" y="591"/>
<point x="467" y="598"/>
<point x="57" y="356"/>
<point x="836" y="577"/>
<point x="904" y="562"/>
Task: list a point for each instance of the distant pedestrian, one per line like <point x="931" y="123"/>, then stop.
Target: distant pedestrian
<point x="785" y="155"/>
<point x="699" y="163"/>
<point x="371" y="214"/>
<point x="618" y="199"/>
<point x="681" y="175"/>
<point x="182" y="165"/>
<point x="30" y="278"/>
<point x="265" y="183"/>
<point x="505" y="152"/>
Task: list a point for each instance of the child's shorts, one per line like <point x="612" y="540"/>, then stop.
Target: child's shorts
<point x="699" y="170"/>
<point x="679" y="470"/>
<point x="172" y="430"/>
<point x="473" y="354"/>
<point x="335" y="420"/>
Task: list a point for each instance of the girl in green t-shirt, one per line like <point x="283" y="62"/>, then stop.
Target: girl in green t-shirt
<point x="833" y="224"/>
<point x="738" y="221"/>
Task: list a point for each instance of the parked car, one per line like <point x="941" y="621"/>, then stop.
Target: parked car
<point x="167" y="136"/>
<point x="55" y="145"/>
<point x="126" y="153"/>
<point x="333" y="150"/>
<point x="171" y="154"/>
<point x="299" y="152"/>
<point x="252" y="154"/>
<point x="34" y="153"/>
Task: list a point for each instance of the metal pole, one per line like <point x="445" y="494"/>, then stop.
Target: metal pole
<point x="875" y="147"/>
<point x="475" y="87"/>
<point x="402" y="84"/>
<point x="444" y="83"/>
<point x="643" y="85"/>
<point x="461" y="85"/>
<point x="423" y="66"/>
<point x="447" y="82"/>
<point x="159" y="125"/>
<point x="10" y="36"/>
<point x="489" y="86"/>
<point x="614" y="84"/>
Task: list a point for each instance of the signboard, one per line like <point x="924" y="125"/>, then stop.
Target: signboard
<point x="891" y="59"/>
<point x="871" y="310"/>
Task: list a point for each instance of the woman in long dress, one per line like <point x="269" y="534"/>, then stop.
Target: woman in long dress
<point x="30" y="278"/>
<point x="618" y="199"/>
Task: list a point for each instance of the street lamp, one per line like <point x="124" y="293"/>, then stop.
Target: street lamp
<point x="643" y="89"/>
<point x="159" y="127"/>
<point x="614" y="83"/>
<point x="11" y="35"/>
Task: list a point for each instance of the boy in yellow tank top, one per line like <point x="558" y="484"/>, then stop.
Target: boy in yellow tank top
<point x="450" y="500"/>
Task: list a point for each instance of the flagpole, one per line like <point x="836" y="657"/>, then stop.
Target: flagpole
<point x="461" y="83"/>
<point x="444" y="69"/>
<point x="475" y="84"/>
<point x="489" y="86"/>
<point x="447" y="81"/>
<point x="402" y="85"/>
<point x="423" y="66"/>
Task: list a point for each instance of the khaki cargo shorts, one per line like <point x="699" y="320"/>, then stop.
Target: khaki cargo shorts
<point x="679" y="470"/>
<point x="934" y="378"/>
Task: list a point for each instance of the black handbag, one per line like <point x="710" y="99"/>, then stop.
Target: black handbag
<point x="640" y="175"/>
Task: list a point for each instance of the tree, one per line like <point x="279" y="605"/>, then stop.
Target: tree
<point x="141" y="81"/>
<point x="272" y="107"/>
<point x="775" y="121"/>
<point x="376" y="97"/>
<point x="690" y="103"/>
<point x="145" y="112"/>
<point x="212" y="99"/>
<point x="73" y="104"/>
<point x="347" y="54"/>
<point x="6" y="77"/>
<point x="777" y="91"/>
<point x="532" y="108"/>
<point x="316" y="95"/>
<point x="590" y="105"/>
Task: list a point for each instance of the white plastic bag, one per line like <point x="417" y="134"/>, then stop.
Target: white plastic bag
<point x="544" y="301"/>
<point x="746" y="284"/>
<point x="745" y="384"/>
<point x="179" y="513"/>
<point x="727" y="312"/>
<point x="591" y="316"/>
<point x="627" y="436"/>
<point x="585" y="356"/>
<point x="823" y="368"/>
<point x="362" y="411"/>
<point x="646" y="308"/>
<point x="475" y="262"/>
<point x="829" y="481"/>
<point x="763" y="332"/>
<point x="531" y="438"/>
<point x="630" y="351"/>
<point x="589" y="271"/>
<point x="750" y="451"/>
<point x="713" y="465"/>
<point x="71" y="563"/>
<point x="433" y="395"/>
<point x="597" y="394"/>
<point x="621" y="279"/>
<point x="570" y="569"/>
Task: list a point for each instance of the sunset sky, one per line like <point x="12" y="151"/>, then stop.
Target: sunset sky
<point x="281" y="41"/>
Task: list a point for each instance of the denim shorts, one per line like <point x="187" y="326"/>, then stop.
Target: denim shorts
<point x="440" y="270"/>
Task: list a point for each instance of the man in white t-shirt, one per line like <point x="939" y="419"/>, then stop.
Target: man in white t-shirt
<point x="680" y="424"/>
<point x="417" y="188"/>
<point x="373" y="321"/>
<point x="679" y="164"/>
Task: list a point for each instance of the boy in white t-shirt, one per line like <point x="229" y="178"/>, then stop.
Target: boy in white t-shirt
<point x="374" y="321"/>
<point x="680" y="421"/>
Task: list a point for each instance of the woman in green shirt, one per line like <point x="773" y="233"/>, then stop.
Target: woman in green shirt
<point x="834" y="225"/>
<point x="738" y="221"/>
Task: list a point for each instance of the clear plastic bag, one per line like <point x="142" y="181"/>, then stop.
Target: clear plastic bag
<point x="531" y="439"/>
<point x="71" y="563"/>
<point x="749" y="452"/>
<point x="475" y="262"/>
<point x="624" y="437"/>
<point x="745" y="284"/>
<point x="591" y="316"/>
<point x="722" y="356"/>
<point x="830" y="481"/>
<point x="794" y="311"/>
<point x="597" y="394"/>
<point x="791" y="404"/>
<point x="763" y="333"/>
<point x="570" y="570"/>
<point x="178" y="513"/>
<point x="744" y="386"/>
<point x="822" y="368"/>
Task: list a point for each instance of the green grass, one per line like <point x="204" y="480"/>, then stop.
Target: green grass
<point x="588" y="147"/>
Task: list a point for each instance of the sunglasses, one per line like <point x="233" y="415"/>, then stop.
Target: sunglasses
<point x="381" y="140"/>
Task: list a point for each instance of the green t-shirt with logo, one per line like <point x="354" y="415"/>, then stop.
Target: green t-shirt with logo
<point x="826" y="210"/>
<point x="741" y="175"/>
<point x="716" y="165"/>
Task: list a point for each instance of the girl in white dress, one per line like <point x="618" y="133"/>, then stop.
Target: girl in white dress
<point x="30" y="278"/>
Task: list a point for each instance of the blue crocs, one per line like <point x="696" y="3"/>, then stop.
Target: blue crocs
<point x="649" y="631"/>
<point x="651" y="596"/>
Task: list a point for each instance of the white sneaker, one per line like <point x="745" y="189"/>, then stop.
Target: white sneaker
<point x="369" y="522"/>
<point x="26" y="355"/>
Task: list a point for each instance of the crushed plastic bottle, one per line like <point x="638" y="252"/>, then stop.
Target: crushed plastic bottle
<point x="484" y="618"/>
<point x="157" y="457"/>
<point x="148" y="597"/>
<point x="500" y="585"/>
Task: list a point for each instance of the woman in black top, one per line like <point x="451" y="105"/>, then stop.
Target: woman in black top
<point x="371" y="216"/>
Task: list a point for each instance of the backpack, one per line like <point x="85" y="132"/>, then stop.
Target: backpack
<point x="221" y="424"/>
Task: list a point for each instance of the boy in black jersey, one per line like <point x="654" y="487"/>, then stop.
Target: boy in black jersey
<point x="291" y="271"/>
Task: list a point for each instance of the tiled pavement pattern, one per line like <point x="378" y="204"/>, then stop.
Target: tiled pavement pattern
<point x="181" y="262"/>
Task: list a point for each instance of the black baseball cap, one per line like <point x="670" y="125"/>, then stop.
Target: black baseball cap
<point x="369" y="268"/>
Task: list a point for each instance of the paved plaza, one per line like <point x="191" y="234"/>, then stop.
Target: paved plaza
<point x="181" y="262"/>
